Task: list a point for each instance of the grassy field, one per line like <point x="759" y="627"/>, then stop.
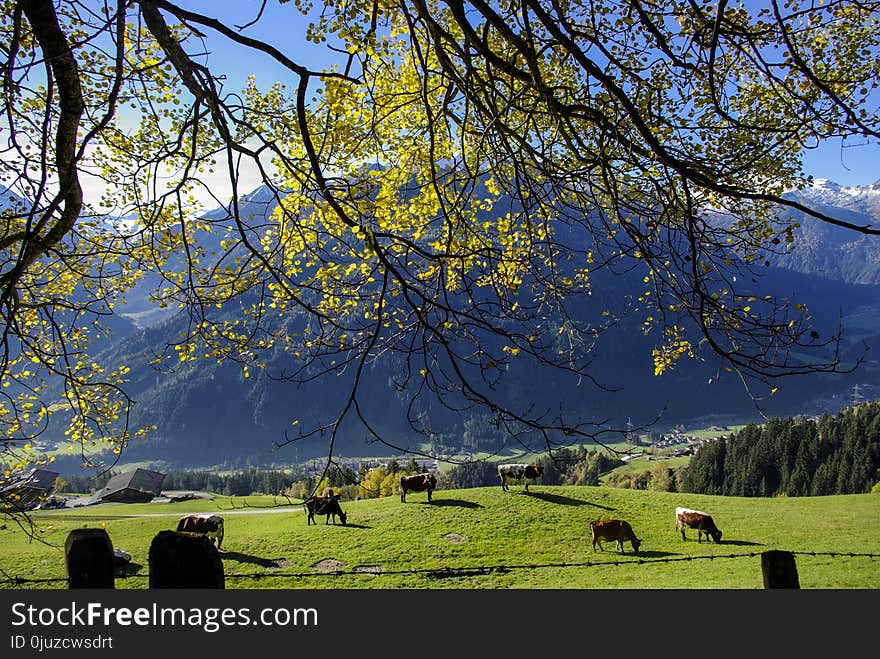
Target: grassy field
<point x="482" y="538"/>
<point x="641" y="464"/>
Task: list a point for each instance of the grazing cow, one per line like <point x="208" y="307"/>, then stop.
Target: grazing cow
<point x="694" y="519"/>
<point x="613" y="530"/>
<point x="184" y="560"/>
<point x="519" y="472"/>
<point x="322" y="505"/>
<point x="417" y="483"/>
<point x="209" y="525"/>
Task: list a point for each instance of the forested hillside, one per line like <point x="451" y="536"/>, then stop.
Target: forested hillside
<point x="834" y="454"/>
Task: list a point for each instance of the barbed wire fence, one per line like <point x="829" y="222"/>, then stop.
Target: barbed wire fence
<point x="453" y="572"/>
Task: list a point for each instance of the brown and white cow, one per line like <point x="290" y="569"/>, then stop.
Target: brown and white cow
<point x="209" y="525"/>
<point x="324" y="505"/>
<point x="425" y="482"/>
<point x="613" y="530"/>
<point x="519" y="472"/>
<point x="695" y="519"/>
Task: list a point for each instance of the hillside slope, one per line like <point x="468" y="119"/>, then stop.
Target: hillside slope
<point x="484" y="538"/>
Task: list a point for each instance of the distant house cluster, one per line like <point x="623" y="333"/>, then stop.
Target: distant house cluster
<point x="428" y="465"/>
<point x="688" y="444"/>
<point x="673" y="440"/>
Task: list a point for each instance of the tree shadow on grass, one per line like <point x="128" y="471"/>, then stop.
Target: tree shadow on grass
<point x="564" y="501"/>
<point x="729" y="543"/>
<point x="461" y="503"/>
<point x="348" y="525"/>
<point x="742" y="543"/>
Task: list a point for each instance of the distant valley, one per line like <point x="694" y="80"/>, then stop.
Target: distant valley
<point x="209" y="414"/>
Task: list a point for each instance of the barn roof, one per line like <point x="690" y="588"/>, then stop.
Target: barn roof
<point x="140" y="480"/>
<point x="31" y="486"/>
<point x="37" y="479"/>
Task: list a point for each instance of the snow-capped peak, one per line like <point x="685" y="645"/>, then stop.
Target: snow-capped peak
<point x="829" y="193"/>
<point x="826" y="184"/>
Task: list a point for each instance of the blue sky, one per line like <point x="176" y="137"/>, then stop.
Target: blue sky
<point x="855" y="162"/>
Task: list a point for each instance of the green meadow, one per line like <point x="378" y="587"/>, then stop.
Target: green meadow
<point x="480" y="538"/>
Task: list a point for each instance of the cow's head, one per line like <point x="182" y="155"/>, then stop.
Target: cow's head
<point x="342" y="517"/>
<point x="533" y="471"/>
<point x="716" y="536"/>
<point x="636" y="543"/>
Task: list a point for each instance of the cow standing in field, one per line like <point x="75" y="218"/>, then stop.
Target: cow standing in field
<point x="695" y="519"/>
<point x="425" y="482"/>
<point x="613" y="530"/>
<point x="520" y="473"/>
<point x="324" y="505"/>
<point x="209" y="525"/>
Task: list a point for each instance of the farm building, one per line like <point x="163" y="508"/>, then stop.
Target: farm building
<point x="29" y="490"/>
<point x="138" y="486"/>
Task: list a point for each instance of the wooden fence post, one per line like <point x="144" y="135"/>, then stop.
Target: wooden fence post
<point x="88" y="554"/>
<point x="779" y="569"/>
<point x="179" y="559"/>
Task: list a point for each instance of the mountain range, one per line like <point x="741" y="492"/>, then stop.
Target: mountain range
<point x="209" y="414"/>
<point x="831" y="252"/>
